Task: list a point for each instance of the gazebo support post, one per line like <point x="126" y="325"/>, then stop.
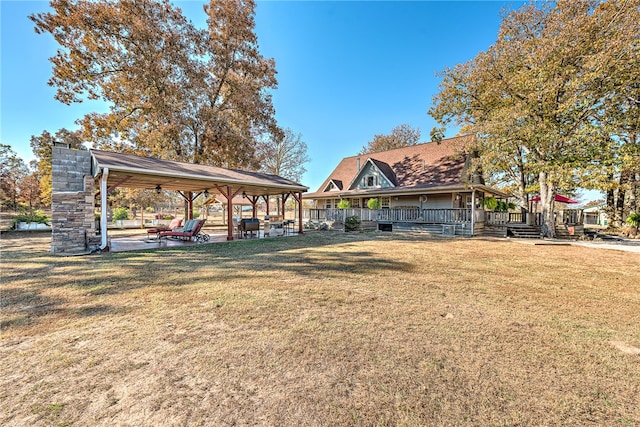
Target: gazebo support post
<point x="254" y="200"/>
<point x="229" y="214"/>
<point x="284" y="200"/>
<point x="229" y="194"/>
<point x="298" y="198"/>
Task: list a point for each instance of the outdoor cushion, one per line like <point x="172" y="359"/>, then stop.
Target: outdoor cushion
<point x="188" y="226"/>
<point x="175" y="223"/>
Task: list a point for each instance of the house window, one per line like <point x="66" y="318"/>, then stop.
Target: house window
<point x="385" y="202"/>
<point x="468" y="201"/>
<point x="328" y="204"/>
<point x="369" y="181"/>
<point x="355" y="203"/>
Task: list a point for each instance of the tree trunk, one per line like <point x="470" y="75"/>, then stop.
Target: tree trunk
<point x="633" y="194"/>
<point x="547" y="200"/>
<point x="611" y="201"/>
<point x="522" y="186"/>
<point x="619" y="212"/>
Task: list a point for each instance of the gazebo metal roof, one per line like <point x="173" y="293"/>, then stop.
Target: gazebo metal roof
<point x="133" y="171"/>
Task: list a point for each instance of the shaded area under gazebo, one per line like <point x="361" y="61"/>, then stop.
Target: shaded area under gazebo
<point x="136" y="242"/>
<point x="190" y="181"/>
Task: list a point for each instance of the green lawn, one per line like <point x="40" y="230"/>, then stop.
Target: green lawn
<point x="325" y="329"/>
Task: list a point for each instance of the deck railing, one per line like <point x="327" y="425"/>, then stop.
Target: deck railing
<point x="440" y="216"/>
<point x="497" y="218"/>
<point x="432" y="216"/>
<point x="569" y="216"/>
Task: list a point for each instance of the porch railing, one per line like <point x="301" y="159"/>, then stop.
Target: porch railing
<point x="504" y="218"/>
<point x="433" y="216"/>
<point x="440" y="216"/>
<point x="569" y="216"/>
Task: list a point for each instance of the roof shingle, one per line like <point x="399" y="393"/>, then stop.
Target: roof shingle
<point x="419" y="166"/>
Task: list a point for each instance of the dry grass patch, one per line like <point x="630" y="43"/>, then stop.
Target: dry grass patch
<point x="323" y="329"/>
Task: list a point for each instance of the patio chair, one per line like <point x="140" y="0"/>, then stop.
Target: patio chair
<point x="175" y="223"/>
<point x="190" y="231"/>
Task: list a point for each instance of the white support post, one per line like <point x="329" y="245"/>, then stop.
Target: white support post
<point x="473" y="210"/>
<point x="103" y="210"/>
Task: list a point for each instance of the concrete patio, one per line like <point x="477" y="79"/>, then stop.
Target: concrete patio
<point x="136" y="240"/>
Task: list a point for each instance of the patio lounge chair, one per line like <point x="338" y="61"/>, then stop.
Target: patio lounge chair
<point x="190" y="231"/>
<point x="175" y="223"/>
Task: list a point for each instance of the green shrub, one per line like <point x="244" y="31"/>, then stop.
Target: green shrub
<point x="634" y="220"/>
<point x="493" y="204"/>
<point x="344" y="204"/>
<point x="505" y="206"/>
<point x="351" y="223"/>
<point x="120" y="214"/>
<point x="490" y="203"/>
<point x="373" y="204"/>
<point x="31" y="215"/>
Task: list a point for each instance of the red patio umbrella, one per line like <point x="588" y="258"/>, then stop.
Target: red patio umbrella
<point x="559" y="198"/>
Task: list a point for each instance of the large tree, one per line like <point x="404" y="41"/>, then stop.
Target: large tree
<point x="12" y="171"/>
<point x="615" y="165"/>
<point x="29" y="190"/>
<point x="535" y="98"/>
<point x="284" y="155"/>
<point x="42" y="146"/>
<point x="175" y="91"/>
<point x="401" y="136"/>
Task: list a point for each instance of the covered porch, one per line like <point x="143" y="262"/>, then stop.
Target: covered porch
<point x="454" y="221"/>
<point x="451" y="210"/>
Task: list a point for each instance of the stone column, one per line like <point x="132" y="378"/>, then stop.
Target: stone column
<point x="73" y="227"/>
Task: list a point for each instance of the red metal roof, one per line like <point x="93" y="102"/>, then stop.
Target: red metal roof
<point x="559" y="198"/>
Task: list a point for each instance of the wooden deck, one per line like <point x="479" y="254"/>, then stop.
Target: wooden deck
<point x="455" y="222"/>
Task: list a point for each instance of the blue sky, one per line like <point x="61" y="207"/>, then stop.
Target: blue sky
<point x="347" y="70"/>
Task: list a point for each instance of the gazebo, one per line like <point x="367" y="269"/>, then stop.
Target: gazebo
<point x="76" y="174"/>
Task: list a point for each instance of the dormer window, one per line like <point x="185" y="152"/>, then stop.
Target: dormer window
<point x="333" y="186"/>
<point x="371" y="176"/>
<point x="369" y="181"/>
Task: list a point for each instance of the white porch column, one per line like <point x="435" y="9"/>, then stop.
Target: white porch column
<point x="104" y="245"/>
<point x="473" y="209"/>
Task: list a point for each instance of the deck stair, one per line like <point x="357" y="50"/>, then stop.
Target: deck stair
<point x="523" y="231"/>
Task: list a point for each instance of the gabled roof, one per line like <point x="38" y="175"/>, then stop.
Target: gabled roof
<point x="419" y="167"/>
<point x="386" y="170"/>
<point x="382" y="167"/>
<point x="337" y="183"/>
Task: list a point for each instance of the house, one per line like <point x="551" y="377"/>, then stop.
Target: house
<point x="596" y="215"/>
<point x="431" y="187"/>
